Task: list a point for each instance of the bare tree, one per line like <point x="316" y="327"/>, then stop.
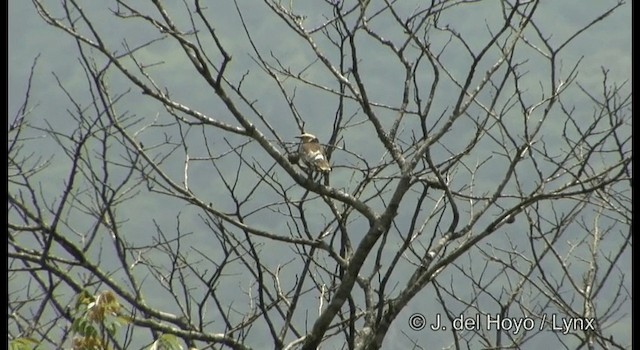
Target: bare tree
<point x="479" y="195"/>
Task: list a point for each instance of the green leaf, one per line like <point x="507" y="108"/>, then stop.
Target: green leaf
<point x="124" y="319"/>
<point x="23" y="344"/>
<point x="166" y="342"/>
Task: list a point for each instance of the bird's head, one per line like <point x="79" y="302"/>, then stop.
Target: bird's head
<point x="306" y="138"/>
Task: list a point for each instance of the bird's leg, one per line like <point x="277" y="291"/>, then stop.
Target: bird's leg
<point x="309" y="172"/>
<point x="325" y="176"/>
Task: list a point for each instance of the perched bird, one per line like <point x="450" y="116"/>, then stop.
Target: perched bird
<point x="312" y="153"/>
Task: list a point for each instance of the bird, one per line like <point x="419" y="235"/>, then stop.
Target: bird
<point x="312" y="153"/>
